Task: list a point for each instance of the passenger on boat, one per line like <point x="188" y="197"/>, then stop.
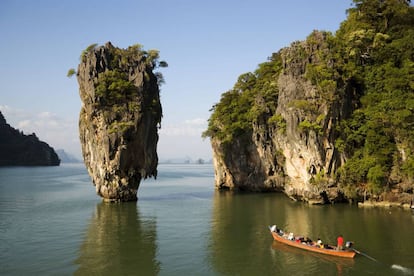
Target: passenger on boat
<point x="307" y="241"/>
<point x="300" y="240"/>
<point x="291" y="237"/>
<point x="276" y="230"/>
<point x="340" y="242"/>
<point x="319" y="243"/>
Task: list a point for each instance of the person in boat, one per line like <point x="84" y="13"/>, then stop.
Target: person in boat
<point x="276" y="230"/>
<point x="307" y="241"/>
<point x="291" y="237"/>
<point x="319" y="243"/>
<point x="348" y="244"/>
<point x="340" y="242"/>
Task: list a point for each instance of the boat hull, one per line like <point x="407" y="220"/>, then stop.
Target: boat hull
<point x="331" y="252"/>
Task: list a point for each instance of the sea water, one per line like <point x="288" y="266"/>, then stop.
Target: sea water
<point x="53" y="223"/>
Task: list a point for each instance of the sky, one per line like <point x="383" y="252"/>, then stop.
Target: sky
<point x="206" y="43"/>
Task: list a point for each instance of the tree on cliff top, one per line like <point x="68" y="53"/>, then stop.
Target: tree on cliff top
<point x="253" y="96"/>
<point x="121" y="56"/>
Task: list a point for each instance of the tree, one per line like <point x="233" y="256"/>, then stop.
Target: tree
<point x="71" y="72"/>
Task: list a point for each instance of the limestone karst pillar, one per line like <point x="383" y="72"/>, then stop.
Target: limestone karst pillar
<point x="119" y="118"/>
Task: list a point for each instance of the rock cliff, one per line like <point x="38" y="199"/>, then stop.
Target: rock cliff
<point x="18" y="149"/>
<point x="119" y="119"/>
<point x="290" y="157"/>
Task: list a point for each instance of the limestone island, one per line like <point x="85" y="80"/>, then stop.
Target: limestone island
<point x="120" y="117"/>
<point x="327" y="119"/>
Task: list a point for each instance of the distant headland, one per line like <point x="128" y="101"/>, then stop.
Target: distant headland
<point x="18" y="149"/>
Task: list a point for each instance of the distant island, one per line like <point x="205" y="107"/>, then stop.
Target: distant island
<point x="18" y="149"/>
<point x="67" y="157"/>
<point x="185" y="160"/>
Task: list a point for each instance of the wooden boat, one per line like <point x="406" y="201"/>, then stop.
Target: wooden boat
<point x="344" y="262"/>
<point x="327" y="250"/>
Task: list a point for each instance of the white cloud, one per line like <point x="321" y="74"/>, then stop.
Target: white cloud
<point x="25" y="124"/>
<point x="193" y="127"/>
<point x="184" y="140"/>
<point x="197" y="122"/>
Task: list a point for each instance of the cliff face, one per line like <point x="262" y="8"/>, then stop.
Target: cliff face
<point x="17" y="149"/>
<point x="299" y="156"/>
<point x="119" y="119"/>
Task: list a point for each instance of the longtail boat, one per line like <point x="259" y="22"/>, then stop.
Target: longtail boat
<point x="279" y="236"/>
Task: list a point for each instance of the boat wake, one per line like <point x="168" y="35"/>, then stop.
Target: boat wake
<point x="405" y="270"/>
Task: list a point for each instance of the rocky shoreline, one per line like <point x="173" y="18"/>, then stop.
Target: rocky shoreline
<point x="385" y="204"/>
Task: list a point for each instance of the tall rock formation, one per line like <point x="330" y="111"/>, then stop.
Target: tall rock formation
<point x="288" y="158"/>
<point x="18" y="149"/>
<point x="119" y="119"/>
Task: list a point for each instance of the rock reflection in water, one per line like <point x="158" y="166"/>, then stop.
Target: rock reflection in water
<point x="119" y="242"/>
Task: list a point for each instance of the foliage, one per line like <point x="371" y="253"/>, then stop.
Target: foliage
<point x="87" y="50"/>
<point x="118" y="67"/>
<point x="254" y="96"/>
<point x="307" y="126"/>
<point x="71" y="72"/>
<point x="378" y="36"/>
<point x="113" y="86"/>
<point x="278" y="121"/>
<point x="119" y="127"/>
<point x="320" y="179"/>
<point x="116" y="91"/>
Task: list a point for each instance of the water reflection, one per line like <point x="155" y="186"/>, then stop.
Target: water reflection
<point x="119" y="242"/>
<point x="239" y="243"/>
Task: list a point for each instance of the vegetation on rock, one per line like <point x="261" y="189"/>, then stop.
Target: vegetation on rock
<point x="253" y="96"/>
<point x="372" y="57"/>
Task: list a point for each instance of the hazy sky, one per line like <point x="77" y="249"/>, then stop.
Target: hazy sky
<point x="207" y="44"/>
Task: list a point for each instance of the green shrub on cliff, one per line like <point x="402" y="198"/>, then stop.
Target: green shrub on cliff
<point x="254" y="96"/>
<point x="87" y="50"/>
<point x="71" y="72"/>
<point x="114" y="86"/>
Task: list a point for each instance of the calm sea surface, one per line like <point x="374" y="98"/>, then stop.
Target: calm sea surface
<point x="52" y="223"/>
